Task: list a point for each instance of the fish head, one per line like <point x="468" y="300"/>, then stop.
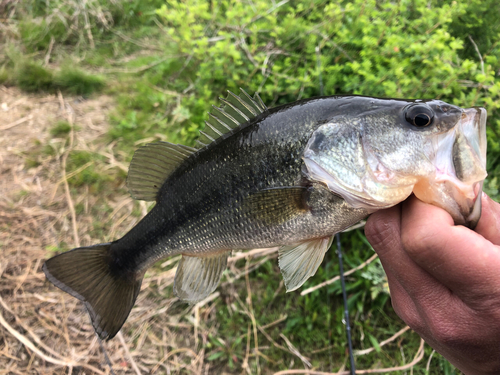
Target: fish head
<point x="459" y="158"/>
<point x="380" y="151"/>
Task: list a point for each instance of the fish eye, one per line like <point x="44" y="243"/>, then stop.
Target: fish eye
<point x="419" y="116"/>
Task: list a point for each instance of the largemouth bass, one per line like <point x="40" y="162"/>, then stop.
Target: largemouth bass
<point x="290" y="176"/>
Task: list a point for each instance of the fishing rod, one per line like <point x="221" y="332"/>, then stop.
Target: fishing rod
<point x="108" y="361"/>
<point x="346" y="308"/>
<point x="339" y="250"/>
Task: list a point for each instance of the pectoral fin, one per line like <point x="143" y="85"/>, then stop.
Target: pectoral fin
<point x="277" y="205"/>
<point x="197" y="277"/>
<point x="299" y="262"/>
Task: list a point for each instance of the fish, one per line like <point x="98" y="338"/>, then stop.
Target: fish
<point x="290" y="177"/>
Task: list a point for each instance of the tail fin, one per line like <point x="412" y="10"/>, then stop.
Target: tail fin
<point x="85" y="274"/>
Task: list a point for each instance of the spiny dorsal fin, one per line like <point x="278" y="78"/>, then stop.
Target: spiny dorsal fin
<point x="197" y="277"/>
<point x="236" y="110"/>
<point x="151" y="166"/>
<point x="299" y="262"/>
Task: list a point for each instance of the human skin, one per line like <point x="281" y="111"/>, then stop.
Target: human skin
<point x="444" y="279"/>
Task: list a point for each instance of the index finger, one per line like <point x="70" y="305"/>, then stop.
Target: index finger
<point x="459" y="258"/>
<point x="489" y="224"/>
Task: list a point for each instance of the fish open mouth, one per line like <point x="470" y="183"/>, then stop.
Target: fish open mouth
<point x="460" y="162"/>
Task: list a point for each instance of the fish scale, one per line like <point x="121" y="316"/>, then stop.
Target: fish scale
<point x="290" y="176"/>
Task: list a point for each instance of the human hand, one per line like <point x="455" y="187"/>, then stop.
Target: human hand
<point x="444" y="279"/>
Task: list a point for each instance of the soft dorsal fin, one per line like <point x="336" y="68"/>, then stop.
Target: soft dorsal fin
<point x="151" y="165"/>
<point x="236" y="110"/>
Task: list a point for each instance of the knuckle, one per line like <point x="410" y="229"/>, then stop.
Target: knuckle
<point x="409" y="316"/>
<point x="417" y="240"/>
<point x="448" y="334"/>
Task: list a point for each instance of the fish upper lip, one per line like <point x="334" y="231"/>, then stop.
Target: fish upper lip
<point x="473" y="125"/>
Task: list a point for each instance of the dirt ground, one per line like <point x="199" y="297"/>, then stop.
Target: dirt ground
<point x="43" y="330"/>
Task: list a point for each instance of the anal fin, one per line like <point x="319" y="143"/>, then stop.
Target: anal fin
<point x="197" y="277"/>
<point x="299" y="262"/>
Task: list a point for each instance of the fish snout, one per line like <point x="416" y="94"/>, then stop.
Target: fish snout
<point x="460" y="165"/>
<point x="469" y="161"/>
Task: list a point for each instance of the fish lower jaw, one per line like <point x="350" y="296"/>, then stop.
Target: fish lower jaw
<point x="469" y="190"/>
<point x="462" y="201"/>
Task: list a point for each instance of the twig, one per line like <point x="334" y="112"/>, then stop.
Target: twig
<point x="137" y="43"/>
<point x="105" y="352"/>
<point x="49" y="51"/>
<point x="252" y="316"/>
<point x="170" y="261"/>
<point x="230" y="280"/>
<point x="331" y="281"/>
<point x="318" y="58"/>
<point x="132" y="361"/>
<point x="244" y="47"/>
<point x="66" y="186"/>
<point x="75" y="172"/>
<point x="30" y="331"/>
<point x="295" y="351"/>
<point x="17" y="122"/>
<point x="138" y="70"/>
<point x="252" y="253"/>
<point x="203" y="302"/>
<point x="26" y="342"/>
<point x="429" y="361"/>
<point x="361" y="224"/>
<point x="87" y="24"/>
<point x="418" y="357"/>
<point x="247" y="354"/>
<point x="390" y="339"/>
<point x="269" y="11"/>
<point x="478" y="53"/>
<point x="169" y="354"/>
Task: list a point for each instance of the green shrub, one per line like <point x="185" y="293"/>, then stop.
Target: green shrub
<point x="406" y="49"/>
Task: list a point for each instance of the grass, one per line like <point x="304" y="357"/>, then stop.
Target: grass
<point x="77" y="82"/>
<point x="251" y="325"/>
<point x="32" y="77"/>
<point x="61" y="129"/>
